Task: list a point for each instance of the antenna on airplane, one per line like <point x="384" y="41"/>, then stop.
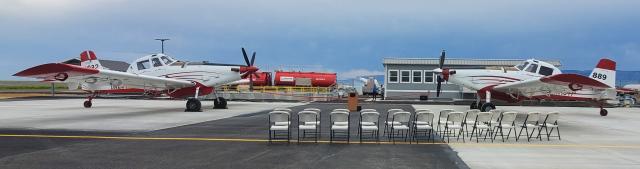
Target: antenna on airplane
<point x="162" y="42"/>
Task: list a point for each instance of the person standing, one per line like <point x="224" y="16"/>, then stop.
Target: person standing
<point x="375" y="92"/>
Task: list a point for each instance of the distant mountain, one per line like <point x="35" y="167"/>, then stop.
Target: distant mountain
<point x="622" y="77"/>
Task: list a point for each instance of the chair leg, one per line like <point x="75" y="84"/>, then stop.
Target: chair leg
<point x="518" y="137"/>
<point x="558" y="129"/>
<point x="548" y="134"/>
<point x="495" y="134"/>
<point x="509" y="134"/>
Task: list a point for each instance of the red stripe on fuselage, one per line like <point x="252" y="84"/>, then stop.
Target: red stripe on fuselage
<point x="510" y="78"/>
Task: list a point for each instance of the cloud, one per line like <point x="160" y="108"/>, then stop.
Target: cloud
<point x="354" y="73"/>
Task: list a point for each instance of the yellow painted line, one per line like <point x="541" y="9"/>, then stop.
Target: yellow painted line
<point x="321" y="141"/>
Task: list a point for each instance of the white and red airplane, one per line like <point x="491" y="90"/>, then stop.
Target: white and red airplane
<point x="533" y="79"/>
<point x="151" y="74"/>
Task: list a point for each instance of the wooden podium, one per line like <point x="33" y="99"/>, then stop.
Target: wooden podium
<point x="352" y="102"/>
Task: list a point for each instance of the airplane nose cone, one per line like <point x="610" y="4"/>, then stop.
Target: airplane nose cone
<point x="437" y="70"/>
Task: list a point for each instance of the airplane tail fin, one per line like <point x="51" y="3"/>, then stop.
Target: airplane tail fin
<point x="88" y="59"/>
<point x="605" y="72"/>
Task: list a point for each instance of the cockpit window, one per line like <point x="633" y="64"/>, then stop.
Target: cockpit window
<point x="522" y="66"/>
<point x="156" y="62"/>
<point x="532" y="68"/>
<point x="545" y="70"/>
<point x="143" y="65"/>
<point x="166" y="60"/>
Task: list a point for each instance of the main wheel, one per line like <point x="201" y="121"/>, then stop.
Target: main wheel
<point x="87" y="104"/>
<point x="474" y="105"/>
<point x="193" y="105"/>
<point x="220" y="103"/>
<point x="487" y="107"/>
<point x="604" y="112"/>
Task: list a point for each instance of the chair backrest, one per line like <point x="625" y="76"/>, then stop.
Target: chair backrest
<point x="402" y="117"/>
<point x="495" y="114"/>
<point x="508" y="117"/>
<point x="278" y="116"/>
<point x="425" y="116"/>
<point x="370" y="117"/>
<point x="483" y="117"/>
<point x="339" y="116"/>
<point x="471" y="114"/>
<point x="533" y="117"/>
<point x="313" y="109"/>
<point x="283" y="109"/>
<point x="368" y="110"/>
<point x="342" y="110"/>
<point x="455" y="117"/>
<point x="444" y="113"/>
<point x="391" y="111"/>
<point x="552" y="117"/>
<point x="421" y="110"/>
<point x="307" y="116"/>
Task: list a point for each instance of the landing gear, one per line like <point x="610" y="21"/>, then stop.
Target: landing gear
<point x="220" y="103"/>
<point x="87" y="104"/>
<point x="486" y="107"/>
<point x="193" y="105"/>
<point x="603" y="112"/>
<point x="474" y="105"/>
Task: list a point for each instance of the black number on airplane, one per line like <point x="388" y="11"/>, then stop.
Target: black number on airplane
<point x="599" y="76"/>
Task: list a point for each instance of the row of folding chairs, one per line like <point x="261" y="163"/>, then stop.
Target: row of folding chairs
<point x="495" y="122"/>
<point x="309" y="124"/>
<point x="400" y="124"/>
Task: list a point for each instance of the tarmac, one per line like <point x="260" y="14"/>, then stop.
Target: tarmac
<point x="126" y="133"/>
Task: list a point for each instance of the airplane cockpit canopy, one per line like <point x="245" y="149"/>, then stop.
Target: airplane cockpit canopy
<point x="538" y="67"/>
<point x="149" y="61"/>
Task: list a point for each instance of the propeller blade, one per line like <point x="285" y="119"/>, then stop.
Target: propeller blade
<point x="256" y="74"/>
<point x="246" y="58"/>
<point x="438" y="87"/>
<point x="442" y="55"/>
<point x="253" y="58"/>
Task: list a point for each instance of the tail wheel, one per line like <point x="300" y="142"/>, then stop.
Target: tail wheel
<point x="87" y="104"/>
<point x="193" y="105"/>
<point x="487" y="107"/>
<point x="604" y="112"/>
<point x="220" y="103"/>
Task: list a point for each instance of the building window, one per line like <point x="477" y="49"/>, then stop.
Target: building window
<point x="405" y="76"/>
<point x="428" y="76"/>
<point x="393" y="76"/>
<point x="416" y="76"/>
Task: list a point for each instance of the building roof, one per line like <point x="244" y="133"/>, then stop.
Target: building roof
<point x="460" y="61"/>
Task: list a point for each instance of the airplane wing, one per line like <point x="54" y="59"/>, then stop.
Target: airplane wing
<point x="67" y="72"/>
<point x="558" y="87"/>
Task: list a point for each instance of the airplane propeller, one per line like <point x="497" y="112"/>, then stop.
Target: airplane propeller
<point x="250" y="69"/>
<point x="440" y="79"/>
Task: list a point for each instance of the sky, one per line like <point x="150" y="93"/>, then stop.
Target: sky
<point x="347" y="37"/>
